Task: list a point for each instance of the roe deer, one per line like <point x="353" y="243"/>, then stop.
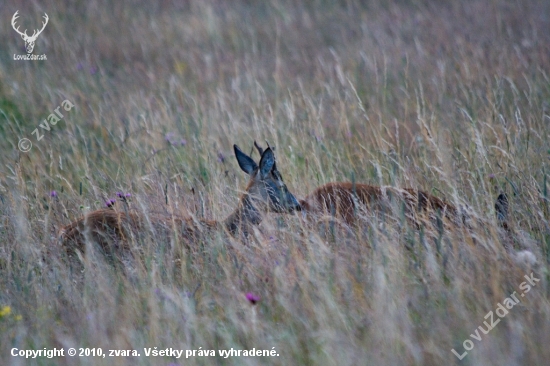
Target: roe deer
<point x="266" y="192"/>
<point x="343" y="200"/>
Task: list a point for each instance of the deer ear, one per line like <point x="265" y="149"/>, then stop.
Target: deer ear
<point x="245" y="162"/>
<point x="267" y="162"/>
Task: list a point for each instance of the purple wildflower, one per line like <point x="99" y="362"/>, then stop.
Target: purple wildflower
<point x="491" y="176"/>
<point x="79" y="66"/>
<point x="110" y="202"/>
<point x="254" y="299"/>
<point x="183" y="142"/>
<point x="53" y="194"/>
<point x="123" y="196"/>
<point x="93" y="70"/>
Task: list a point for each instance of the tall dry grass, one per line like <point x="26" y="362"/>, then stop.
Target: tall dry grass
<point x="449" y="97"/>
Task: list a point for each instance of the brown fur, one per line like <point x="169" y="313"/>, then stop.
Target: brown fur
<point x="340" y="198"/>
<point x="113" y="230"/>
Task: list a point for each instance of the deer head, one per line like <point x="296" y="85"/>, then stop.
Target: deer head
<point x="266" y="188"/>
<point x="29" y="41"/>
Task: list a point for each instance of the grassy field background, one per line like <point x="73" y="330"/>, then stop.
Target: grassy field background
<point x="451" y="97"/>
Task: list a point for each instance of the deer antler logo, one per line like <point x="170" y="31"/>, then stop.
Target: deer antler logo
<point x="29" y="41"/>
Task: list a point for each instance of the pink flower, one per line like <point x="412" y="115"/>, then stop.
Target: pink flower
<point x="252" y="298"/>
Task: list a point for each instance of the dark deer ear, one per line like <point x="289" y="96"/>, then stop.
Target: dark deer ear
<point x="267" y="162"/>
<point x="245" y="162"/>
<point x="272" y="149"/>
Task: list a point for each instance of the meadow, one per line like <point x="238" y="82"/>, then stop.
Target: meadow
<point x="451" y="97"/>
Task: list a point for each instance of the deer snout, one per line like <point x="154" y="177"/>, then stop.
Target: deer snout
<point x="294" y="204"/>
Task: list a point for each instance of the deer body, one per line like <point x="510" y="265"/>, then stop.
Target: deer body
<point x="344" y="200"/>
<point x="266" y="192"/>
